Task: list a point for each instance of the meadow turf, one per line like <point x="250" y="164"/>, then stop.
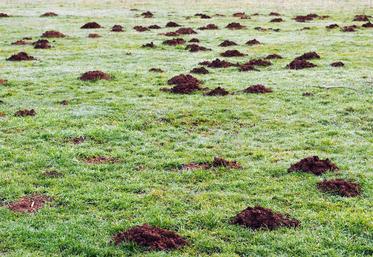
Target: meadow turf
<point x="153" y="132"/>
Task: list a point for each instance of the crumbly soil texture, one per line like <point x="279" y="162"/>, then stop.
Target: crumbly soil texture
<point x="21" y="56"/>
<point x="29" y="203"/>
<point x="91" y="25"/>
<point x="184" y="84"/>
<point x="314" y="165"/>
<point x="25" y="113"/>
<point x="298" y="64"/>
<point x="340" y="187"/>
<point x="94" y="75"/>
<point x="257" y="89"/>
<point x="216" y="163"/>
<point x="219" y="91"/>
<point x="53" y="34"/>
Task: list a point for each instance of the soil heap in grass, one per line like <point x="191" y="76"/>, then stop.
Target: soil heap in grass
<point x="273" y="56"/>
<point x="304" y="18"/>
<point x="20" y="43"/>
<point x="253" y="42"/>
<point x="147" y="14"/>
<point x="367" y="25"/>
<point x="29" y="203"/>
<point x="257" y="89"/>
<point x="308" y="56"/>
<point x="149" y="45"/>
<point x="155" y="26"/>
<point x="202" y="16"/>
<point x="53" y="34"/>
<point x="91" y="25"/>
<point x="49" y="14"/>
<point x="337" y="64"/>
<point x="172" y="24"/>
<point x="217" y="63"/>
<point x="332" y="26"/>
<point x="209" y="27"/>
<point x="3" y="15"/>
<point x="42" y="44"/>
<point x="156" y="70"/>
<point x="274" y="14"/>
<point x="21" y="56"/>
<point x="247" y="67"/>
<point x="141" y="28"/>
<point x="339" y="187"/>
<point x="25" y="112"/>
<point x="259" y="62"/>
<point x="361" y="17"/>
<point x="298" y="64"/>
<point x="235" y="25"/>
<point x="152" y="238"/>
<point x="184" y="84"/>
<point x="94" y="75"/>
<point x="216" y="163"/>
<point x="226" y="43"/>
<point x="174" y="42"/>
<point x="277" y="20"/>
<point x="185" y="31"/>
<point x="196" y="48"/>
<point x="313" y="165"/>
<point x="117" y="28"/>
<point x="351" y="28"/>
<point x="262" y="218"/>
<point x="194" y="40"/>
<point x="199" y="70"/>
<point x="232" y="53"/>
<point x="219" y="91"/>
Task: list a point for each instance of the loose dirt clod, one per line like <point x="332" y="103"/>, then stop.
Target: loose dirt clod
<point x="235" y="25"/>
<point x="172" y="24"/>
<point x="196" y="48"/>
<point x="274" y="14"/>
<point x="174" y="42"/>
<point x="209" y="27"/>
<point x="257" y="89"/>
<point x="185" y="31"/>
<point x="156" y="70"/>
<point x="361" y="17"/>
<point x="262" y="218"/>
<point x="313" y="165"/>
<point x="252" y="42"/>
<point x="147" y="14"/>
<point x="351" y="28"/>
<point x="149" y="45"/>
<point x="305" y="18"/>
<point x="3" y="15"/>
<point x="219" y="91"/>
<point x="217" y="63"/>
<point x="194" y="40"/>
<point x="216" y="163"/>
<point x="340" y="187"/>
<point x="308" y="56"/>
<point x="226" y="43"/>
<point x="273" y="56"/>
<point x="232" y="53"/>
<point x="53" y="34"/>
<point x="25" y="112"/>
<point x="91" y="25"/>
<point x="259" y="62"/>
<point x="202" y="16"/>
<point x="117" y="28"/>
<point x="277" y="20"/>
<point x="200" y="70"/>
<point x="42" y="44"/>
<point x="100" y="160"/>
<point x="332" y="26"/>
<point x="247" y="67"/>
<point x="152" y="238"/>
<point x="367" y="25"/>
<point x="93" y="35"/>
<point x="21" y="56"/>
<point x="141" y="28"/>
<point x="185" y="84"/>
<point x="29" y="203"/>
<point x="297" y="64"/>
<point x="154" y="27"/>
<point x="64" y="102"/>
<point x="94" y="75"/>
<point x="337" y="64"/>
<point x="20" y="43"/>
<point x="49" y="14"/>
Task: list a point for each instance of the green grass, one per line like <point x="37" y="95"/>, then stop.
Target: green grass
<point x="152" y="132"/>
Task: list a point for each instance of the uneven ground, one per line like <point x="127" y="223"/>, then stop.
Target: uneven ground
<point x="152" y="132"/>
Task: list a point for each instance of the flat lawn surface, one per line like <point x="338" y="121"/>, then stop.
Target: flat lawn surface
<point x="152" y="132"/>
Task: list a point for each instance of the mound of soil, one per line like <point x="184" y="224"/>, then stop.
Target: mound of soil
<point x="313" y="165"/>
<point x="305" y="18"/>
<point x="171" y="34"/>
<point x="172" y="24"/>
<point x="300" y="64"/>
<point x="252" y="42"/>
<point x="94" y="75"/>
<point x="25" y="112"/>
<point x="64" y="102"/>
<point x="154" y="27"/>
<point x="219" y="91"/>
<point x="42" y="44"/>
<point x="49" y="14"/>
<point x="332" y="26"/>
<point x="185" y="80"/>
<point x="141" y="28"/>
<point x="247" y="67"/>
<point x="147" y="14"/>
<point x="361" y="17"/>
<point x="277" y="20"/>
<point x="156" y="70"/>
<point x="257" y="89"/>
<point x="53" y="34"/>
<point x="367" y="25"/>
<point x="149" y="45"/>
<point x="216" y="163"/>
<point x="232" y="53"/>
<point x="93" y="35"/>
<point x="262" y="218"/>
<point x="194" y="40"/>
<point x="273" y="56"/>
<point x="150" y="237"/>
<point x="21" y="56"/>
<point x="351" y="28"/>
<point x="117" y="28"/>
<point x="340" y="187"/>
<point x="259" y="62"/>
<point x="196" y="48"/>
<point x="3" y="15"/>
<point x="337" y="64"/>
<point x="202" y="16"/>
<point x="174" y="42"/>
<point x="20" y="43"/>
<point x="235" y="25"/>
<point x="29" y="203"/>
<point x="226" y="43"/>
<point x="78" y="140"/>
<point x="274" y="14"/>
<point x="217" y="63"/>
<point x="239" y="14"/>
<point x="200" y="70"/>
<point x="308" y="56"/>
<point x="100" y="160"/>
<point x="209" y="27"/>
<point x="185" y="31"/>
<point x="91" y="25"/>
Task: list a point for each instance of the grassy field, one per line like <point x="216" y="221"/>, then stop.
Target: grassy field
<point x="153" y="132"/>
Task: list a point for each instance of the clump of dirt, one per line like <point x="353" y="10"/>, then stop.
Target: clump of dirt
<point x="174" y="42"/>
<point x="194" y="40"/>
<point x="141" y="28"/>
<point x="172" y="24"/>
<point x="262" y="218"/>
<point x="313" y="165"/>
<point x="253" y="42"/>
<point x="340" y="187"/>
<point x="259" y="62"/>
<point x="235" y="25"/>
<point x="170" y="34"/>
<point x="78" y="140"/>
<point x="361" y="17"/>
<point x="305" y="18"/>
<point x="337" y="64"/>
<point x="29" y="203"/>
<point x="241" y="15"/>
<point x="185" y="31"/>
<point x="49" y="14"/>
<point x="196" y="48"/>
<point x="20" y="43"/>
<point x="25" y="112"/>
<point x="247" y="67"/>
<point x="147" y="14"/>
<point x="273" y="56"/>
<point x="93" y="35"/>
<point x="156" y="70"/>
<point x="274" y="14"/>
<point x="332" y="26"/>
<point x="351" y="28"/>
<point x="219" y="91"/>
<point x="154" y="27"/>
<point x="277" y="20"/>
<point x="217" y="63"/>
<point x="42" y="44"/>
<point x="21" y="56"/>
<point x="216" y="163"/>
<point x="202" y="16"/>
<point x="367" y="25"/>
<point x="257" y="89"/>
<point x="298" y="64"/>
<point x="184" y="84"/>
<point x="64" y="102"/>
<point x="149" y="45"/>
<point x="152" y="238"/>
<point x="100" y="160"/>
<point x="91" y="25"/>
<point x="117" y="28"/>
<point x="94" y="75"/>
<point x="53" y="34"/>
<point x="200" y="70"/>
<point x="308" y="56"/>
<point x="226" y="43"/>
<point x="3" y="15"/>
<point x="232" y="53"/>
<point x="209" y="27"/>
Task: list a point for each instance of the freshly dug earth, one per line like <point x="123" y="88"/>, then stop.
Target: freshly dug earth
<point x="156" y="70"/>
<point x="29" y="203"/>
<point x="194" y="40"/>
<point x="257" y="89"/>
<point x="117" y="28"/>
<point x="337" y="64"/>
<point x="185" y="84"/>
<point x="91" y="25"/>
<point x="247" y="67"/>
<point x="332" y="26"/>
<point x="3" y="81"/>
<point x="21" y="56"/>
<point x="277" y="20"/>
<point x="200" y="70"/>
<point x="49" y="14"/>
<point x="152" y="238"/>
<point x="141" y="28"/>
<point x="185" y="31"/>
<point x="253" y="42"/>
<point x="361" y="17"/>
<point x="174" y="42"/>
<point x="217" y="63"/>
<point x="340" y="187"/>
<point x="235" y="25"/>
<point x="147" y="14"/>
<point x="202" y="16"/>
<point x="226" y="43"/>
<point x="367" y="25"/>
<point x="259" y="62"/>
<point x="154" y="27"/>
<point x="3" y="15"/>
<point x="219" y="91"/>
<point x="273" y="56"/>
<point x="216" y="163"/>
<point x="308" y="56"/>
<point x="25" y="112"/>
<point x="20" y="43"/>
<point x="262" y="218"/>
<point x="149" y="45"/>
<point x="94" y="75"/>
<point x="351" y="28"/>
<point x="196" y="48"/>
<point x="298" y="64"/>
<point x="172" y="24"/>
<point x="42" y="44"/>
<point x="232" y="53"/>
<point x="53" y="34"/>
<point x="209" y="27"/>
<point x="313" y="165"/>
<point x="100" y="160"/>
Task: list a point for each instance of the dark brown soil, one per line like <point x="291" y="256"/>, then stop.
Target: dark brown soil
<point x="313" y="165"/>
<point x="117" y="28"/>
<point x="141" y="28"/>
<point x="174" y="42"/>
<point x="351" y="28"/>
<point x="185" y="31"/>
<point x="232" y="53"/>
<point x="217" y="63"/>
<point x="100" y="160"/>
<point x="216" y="163"/>
<point x="300" y="64"/>
<point x="241" y="15"/>
<point x="339" y="187"/>
<point x="252" y="42"/>
<point x="42" y="44"/>
<point x="27" y="38"/>
<point x="337" y="64"/>
<point x="226" y="43"/>
<point x="156" y="70"/>
<point x="78" y="140"/>
<point x="149" y="45"/>
<point x="150" y="237"/>
<point x="209" y="27"/>
<point x="262" y="218"/>
<point x="185" y="84"/>
<point x="53" y="34"/>
<point x="219" y="91"/>
<point x="259" y="62"/>
<point x="305" y="18"/>
<point x="202" y="16"/>
<point x="64" y="102"/>
<point x="361" y="17"/>
<point x="3" y="15"/>
<point x="29" y="203"/>
<point x="91" y="25"/>
<point x="367" y="25"/>
<point x="274" y="14"/>
<point x="235" y="25"/>
<point x="170" y="34"/>
<point x="154" y="27"/>
<point x="257" y="89"/>
<point x="172" y="24"/>
<point x="332" y="26"/>
<point x="273" y="56"/>
<point x="25" y="112"/>
<point x="93" y="35"/>
<point x="277" y="20"/>
<point x="247" y="67"/>
<point x="196" y="48"/>
<point x="21" y="56"/>
<point x="20" y="43"/>
<point x="49" y="14"/>
<point x="94" y="75"/>
<point x="308" y="56"/>
<point x="200" y="70"/>
<point x="194" y="40"/>
<point x="147" y="14"/>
